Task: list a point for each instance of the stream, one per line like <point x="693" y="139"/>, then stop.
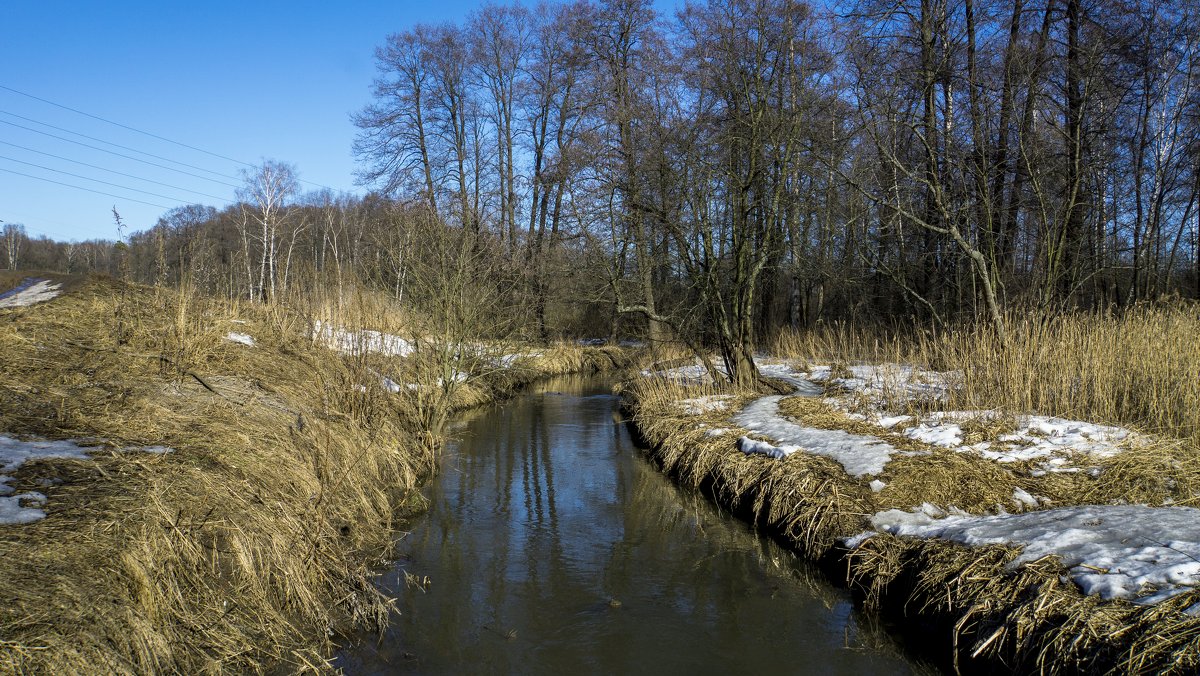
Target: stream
<point x="552" y="546"/>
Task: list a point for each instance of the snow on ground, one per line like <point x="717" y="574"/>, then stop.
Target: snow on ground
<point x="358" y="342"/>
<point x="507" y="360"/>
<point x="243" y="338"/>
<point x="15" y="452"/>
<point x="693" y="374"/>
<point x="1056" y="441"/>
<point x="701" y="405"/>
<point x="29" y="292"/>
<point x="1143" y="554"/>
<point x="860" y="455"/>
<point x="881" y="383"/>
<point x="868" y="390"/>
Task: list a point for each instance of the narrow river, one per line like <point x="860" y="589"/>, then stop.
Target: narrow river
<point x="552" y="546"/>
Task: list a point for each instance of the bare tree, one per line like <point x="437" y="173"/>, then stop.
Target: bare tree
<point x="264" y="197"/>
<point x="14" y="237"/>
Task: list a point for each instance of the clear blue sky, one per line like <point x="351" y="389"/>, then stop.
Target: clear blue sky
<point x="247" y="80"/>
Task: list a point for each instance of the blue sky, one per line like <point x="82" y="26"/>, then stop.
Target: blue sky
<point x="245" y="80"/>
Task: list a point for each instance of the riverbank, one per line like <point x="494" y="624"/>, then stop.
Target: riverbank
<point x="1018" y="534"/>
<point x="194" y="485"/>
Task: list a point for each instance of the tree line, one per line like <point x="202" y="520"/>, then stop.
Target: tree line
<point x="747" y="165"/>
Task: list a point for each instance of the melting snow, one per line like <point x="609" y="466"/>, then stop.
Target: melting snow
<point x="243" y="338"/>
<point x="14" y="453"/>
<point x="860" y="455"/>
<point x="28" y="292"/>
<point x="1143" y="554"/>
<point x="358" y="342"/>
<point x="699" y="405"/>
<point x="1054" y="440"/>
<point x="896" y="382"/>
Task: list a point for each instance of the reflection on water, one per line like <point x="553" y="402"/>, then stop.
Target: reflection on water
<point x="552" y="547"/>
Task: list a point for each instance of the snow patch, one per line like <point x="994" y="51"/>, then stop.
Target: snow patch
<point x="359" y="342"/>
<point x="29" y="292"/>
<point x="1142" y="554"/>
<point x="701" y="405"/>
<point x="1054" y="440"/>
<point x="859" y="455"/>
<point x="24" y="507"/>
<point x="242" y="338"/>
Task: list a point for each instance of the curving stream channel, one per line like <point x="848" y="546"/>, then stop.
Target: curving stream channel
<point x="552" y="546"/>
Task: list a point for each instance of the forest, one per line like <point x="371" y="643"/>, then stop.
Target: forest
<point x="596" y="169"/>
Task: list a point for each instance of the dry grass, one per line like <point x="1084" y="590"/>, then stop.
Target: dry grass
<point x="1029" y="619"/>
<point x="1139" y="369"/>
<point x="251" y="546"/>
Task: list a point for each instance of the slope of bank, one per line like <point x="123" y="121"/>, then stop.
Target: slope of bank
<point x="1035" y="544"/>
<point x="200" y="486"/>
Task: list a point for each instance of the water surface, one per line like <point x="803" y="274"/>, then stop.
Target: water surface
<point x="553" y="547"/>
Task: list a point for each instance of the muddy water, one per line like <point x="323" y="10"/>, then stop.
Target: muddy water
<point x="553" y="547"/>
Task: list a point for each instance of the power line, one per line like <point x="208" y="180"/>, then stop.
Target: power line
<point x="88" y="178"/>
<point x="28" y="220"/>
<point x="98" y="192"/>
<point x="113" y="171"/>
<point x="113" y="152"/>
<point x="115" y="145"/>
<point x="141" y="131"/>
<point x="125" y="126"/>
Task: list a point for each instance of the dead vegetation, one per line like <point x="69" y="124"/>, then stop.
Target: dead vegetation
<point x="251" y="545"/>
<point x="1134" y="369"/>
<point x="1026" y="619"/>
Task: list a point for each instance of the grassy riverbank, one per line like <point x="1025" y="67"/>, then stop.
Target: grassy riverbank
<point x="230" y="482"/>
<point x="876" y="455"/>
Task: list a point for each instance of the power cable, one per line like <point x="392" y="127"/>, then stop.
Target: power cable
<point x="115" y="145"/>
<point x="113" y="152"/>
<point x="141" y="131"/>
<point x="89" y="178"/>
<point x="114" y="171"/>
<point x="125" y="126"/>
<point x="98" y="192"/>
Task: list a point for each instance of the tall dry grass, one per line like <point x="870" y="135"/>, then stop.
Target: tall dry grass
<point x="1140" y="368"/>
<point x="245" y="548"/>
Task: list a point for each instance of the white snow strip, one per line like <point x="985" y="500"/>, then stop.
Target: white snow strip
<point x="859" y="455"/>
<point x="783" y="370"/>
<point x="359" y="342"/>
<point x="29" y="292"/>
<point x="701" y="405"/>
<point x="243" y="338"/>
<point x="1143" y="554"/>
